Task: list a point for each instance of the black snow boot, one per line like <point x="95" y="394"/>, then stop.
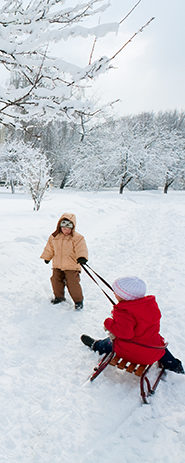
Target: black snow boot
<point x="179" y="368"/>
<point x="79" y="305"/>
<point x="57" y="300"/>
<point x="87" y="340"/>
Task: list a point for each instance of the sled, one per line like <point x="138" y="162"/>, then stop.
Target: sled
<point x="141" y="371"/>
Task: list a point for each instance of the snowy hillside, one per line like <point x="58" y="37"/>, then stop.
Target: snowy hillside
<point x="49" y="414"/>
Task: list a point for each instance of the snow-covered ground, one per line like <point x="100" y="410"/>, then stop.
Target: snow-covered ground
<point x="49" y="413"/>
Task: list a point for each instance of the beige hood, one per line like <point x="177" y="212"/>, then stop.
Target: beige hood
<point x="66" y="215"/>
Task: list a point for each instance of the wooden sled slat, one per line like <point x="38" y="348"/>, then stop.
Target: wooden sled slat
<point x="114" y="361"/>
<point x="139" y="371"/>
<point x="131" y="368"/>
<point x="121" y="365"/>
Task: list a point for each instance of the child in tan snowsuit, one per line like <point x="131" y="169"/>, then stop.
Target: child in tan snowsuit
<point x="67" y="249"/>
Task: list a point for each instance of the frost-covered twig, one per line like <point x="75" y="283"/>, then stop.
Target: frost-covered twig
<point x="128" y="14"/>
<point x="131" y="38"/>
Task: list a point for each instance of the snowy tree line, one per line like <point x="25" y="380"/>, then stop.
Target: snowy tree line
<point x="145" y="151"/>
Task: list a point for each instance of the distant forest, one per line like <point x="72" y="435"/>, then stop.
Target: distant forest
<point x="144" y="151"/>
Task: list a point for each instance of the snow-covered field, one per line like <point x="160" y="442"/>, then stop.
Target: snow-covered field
<point x="49" y="413"/>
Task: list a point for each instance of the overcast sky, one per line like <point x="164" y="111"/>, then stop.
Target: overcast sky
<point x="150" y="74"/>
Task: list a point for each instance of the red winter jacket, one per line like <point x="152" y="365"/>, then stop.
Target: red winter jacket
<point x="137" y="321"/>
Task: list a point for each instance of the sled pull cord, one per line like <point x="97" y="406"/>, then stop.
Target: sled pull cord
<point x="102" y="279"/>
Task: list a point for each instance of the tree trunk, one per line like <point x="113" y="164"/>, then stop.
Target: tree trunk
<point x="124" y="181"/>
<point x="12" y="186"/>
<point x="36" y="205"/>
<point x="168" y="182"/>
<point x="63" y="182"/>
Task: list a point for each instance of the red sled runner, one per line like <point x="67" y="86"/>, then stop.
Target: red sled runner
<point x="139" y="370"/>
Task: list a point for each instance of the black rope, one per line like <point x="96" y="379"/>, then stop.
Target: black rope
<point x="102" y="279"/>
<point x="88" y="273"/>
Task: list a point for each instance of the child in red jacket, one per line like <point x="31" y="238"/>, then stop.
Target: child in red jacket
<point x="134" y="328"/>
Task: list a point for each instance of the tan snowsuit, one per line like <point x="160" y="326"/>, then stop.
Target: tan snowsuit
<point x="64" y="252"/>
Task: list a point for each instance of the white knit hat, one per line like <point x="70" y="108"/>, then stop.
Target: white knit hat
<point x="129" y="288"/>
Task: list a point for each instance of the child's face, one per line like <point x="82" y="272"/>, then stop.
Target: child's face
<point x="66" y="230"/>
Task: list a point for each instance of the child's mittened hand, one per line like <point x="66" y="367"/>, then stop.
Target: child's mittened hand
<point x="81" y="260"/>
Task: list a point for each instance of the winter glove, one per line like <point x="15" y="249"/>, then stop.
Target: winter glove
<point x="47" y="261"/>
<point x="81" y="260"/>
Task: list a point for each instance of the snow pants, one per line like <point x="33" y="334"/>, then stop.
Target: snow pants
<point x="105" y="346"/>
<point x="69" y="278"/>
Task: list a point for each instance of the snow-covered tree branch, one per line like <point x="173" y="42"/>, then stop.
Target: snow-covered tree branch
<point x="27" y="30"/>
